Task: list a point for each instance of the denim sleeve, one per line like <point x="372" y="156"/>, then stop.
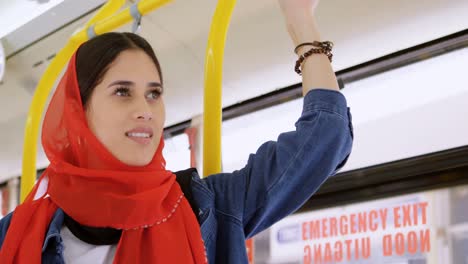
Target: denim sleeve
<point x="4" y="224"/>
<point x="281" y="176"/>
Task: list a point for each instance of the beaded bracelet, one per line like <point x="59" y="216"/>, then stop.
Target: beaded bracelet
<point x="324" y="47"/>
<point x="327" y="45"/>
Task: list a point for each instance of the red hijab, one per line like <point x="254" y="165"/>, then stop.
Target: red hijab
<point x="157" y="222"/>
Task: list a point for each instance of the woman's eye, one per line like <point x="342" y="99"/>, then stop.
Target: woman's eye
<point x="154" y="94"/>
<point x="122" y="91"/>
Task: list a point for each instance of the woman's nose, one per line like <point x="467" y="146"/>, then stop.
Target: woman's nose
<point x="143" y="111"/>
<point x="147" y="116"/>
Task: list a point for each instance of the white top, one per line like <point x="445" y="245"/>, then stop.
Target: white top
<point x="79" y="252"/>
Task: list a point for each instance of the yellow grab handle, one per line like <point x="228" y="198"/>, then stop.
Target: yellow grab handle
<point x="49" y="77"/>
<point x="212" y="113"/>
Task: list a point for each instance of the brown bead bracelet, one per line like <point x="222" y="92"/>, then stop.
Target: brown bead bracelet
<point x="324" y="47"/>
<point x="327" y="45"/>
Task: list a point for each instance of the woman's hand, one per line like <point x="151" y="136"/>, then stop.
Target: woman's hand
<point x="299" y="16"/>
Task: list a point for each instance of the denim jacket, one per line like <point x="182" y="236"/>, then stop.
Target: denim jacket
<point x="279" y="178"/>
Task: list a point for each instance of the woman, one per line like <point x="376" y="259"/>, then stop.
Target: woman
<point x="106" y="196"/>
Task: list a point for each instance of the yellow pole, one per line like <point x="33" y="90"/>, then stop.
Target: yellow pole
<point x="106" y="11"/>
<point x="49" y="77"/>
<point x="212" y="113"/>
<point x="120" y="18"/>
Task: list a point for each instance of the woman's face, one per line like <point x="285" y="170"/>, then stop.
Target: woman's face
<point x="126" y="110"/>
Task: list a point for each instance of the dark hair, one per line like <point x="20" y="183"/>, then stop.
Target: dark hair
<point x="94" y="57"/>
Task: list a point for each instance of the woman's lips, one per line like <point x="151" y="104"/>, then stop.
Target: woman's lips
<point x="141" y="135"/>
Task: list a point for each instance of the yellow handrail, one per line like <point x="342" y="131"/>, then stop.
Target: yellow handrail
<point x="103" y="22"/>
<point x="105" y="11"/>
<point x="212" y="113"/>
<point x="119" y="19"/>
